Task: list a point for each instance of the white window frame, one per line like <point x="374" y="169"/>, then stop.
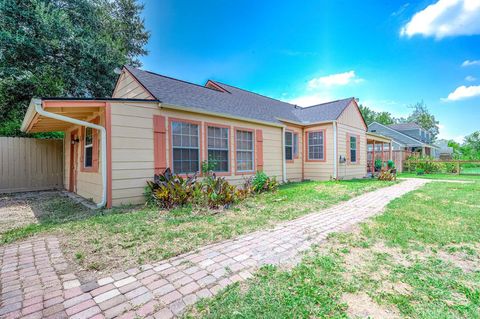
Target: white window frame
<point x="86" y="146"/>
<point x="244" y="150"/>
<point x="184" y="147"/>
<point x="220" y="149"/>
<point x="289" y="145"/>
<point x="353" y="149"/>
<point x="322" y="145"/>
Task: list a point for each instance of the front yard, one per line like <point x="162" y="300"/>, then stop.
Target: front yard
<point x="113" y="239"/>
<point x="420" y="259"/>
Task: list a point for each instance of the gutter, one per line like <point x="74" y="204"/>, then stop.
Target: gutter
<point x="39" y="109"/>
<point x="335" y="150"/>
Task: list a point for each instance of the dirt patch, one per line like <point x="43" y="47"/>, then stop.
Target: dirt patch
<point x="396" y="288"/>
<point x="460" y="259"/>
<point x="21" y="209"/>
<point x="360" y="305"/>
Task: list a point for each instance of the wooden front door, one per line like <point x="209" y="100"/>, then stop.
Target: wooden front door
<point x="72" y="187"/>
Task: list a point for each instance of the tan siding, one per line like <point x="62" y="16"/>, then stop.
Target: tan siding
<point x="89" y="184"/>
<point x="128" y="87"/>
<point x="132" y="147"/>
<point x="321" y="170"/>
<point x="350" y="122"/>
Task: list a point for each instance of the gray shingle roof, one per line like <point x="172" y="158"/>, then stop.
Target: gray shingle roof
<point x="405" y="126"/>
<point x="236" y="101"/>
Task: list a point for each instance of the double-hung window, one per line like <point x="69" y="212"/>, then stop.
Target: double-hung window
<point x="244" y="151"/>
<point x="185" y="147"/>
<point x="353" y="149"/>
<point x="88" y="148"/>
<point x="217" y="148"/>
<point x="288" y="146"/>
<point x="316" y="146"/>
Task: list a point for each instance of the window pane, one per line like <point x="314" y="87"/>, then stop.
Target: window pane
<point x="288" y="138"/>
<point x="220" y="158"/>
<point x="245" y="150"/>
<point x="315" y="145"/>
<point x="88" y="136"/>
<point x="288" y="153"/>
<point x="88" y="156"/>
<point x="353" y="155"/>
<point x="185" y="148"/>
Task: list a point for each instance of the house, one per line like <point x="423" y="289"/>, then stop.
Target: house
<point x="112" y="146"/>
<point x="408" y="137"/>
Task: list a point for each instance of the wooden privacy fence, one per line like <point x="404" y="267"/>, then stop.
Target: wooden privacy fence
<point x="30" y="164"/>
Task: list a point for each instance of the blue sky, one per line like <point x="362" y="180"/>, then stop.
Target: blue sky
<point x="389" y="54"/>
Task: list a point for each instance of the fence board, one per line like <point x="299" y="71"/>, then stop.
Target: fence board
<point x="29" y="164"/>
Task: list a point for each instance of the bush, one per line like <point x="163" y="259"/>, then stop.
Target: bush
<point x="390" y="164"/>
<point x="168" y="190"/>
<point x="261" y="182"/>
<point x="378" y="164"/>
<point x="386" y="175"/>
<point x="420" y="171"/>
<point x="214" y="192"/>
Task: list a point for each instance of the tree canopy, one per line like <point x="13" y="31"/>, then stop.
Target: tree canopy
<point x="52" y="48"/>
<point x="420" y="114"/>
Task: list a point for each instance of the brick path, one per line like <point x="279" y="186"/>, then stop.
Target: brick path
<point x="35" y="282"/>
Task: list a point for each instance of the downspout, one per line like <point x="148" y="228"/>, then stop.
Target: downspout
<point x="284" y="161"/>
<point x="39" y="109"/>
<point x="335" y="150"/>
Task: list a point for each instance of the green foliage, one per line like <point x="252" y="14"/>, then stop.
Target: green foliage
<point x="422" y="116"/>
<point x="387" y="175"/>
<point x="215" y="192"/>
<point x="261" y="182"/>
<point x="390" y="164"/>
<point x="420" y="171"/>
<point x="169" y="190"/>
<point x="371" y="116"/>
<point x="378" y="164"/>
<point x="63" y="48"/>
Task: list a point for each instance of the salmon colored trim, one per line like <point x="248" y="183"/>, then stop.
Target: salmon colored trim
<point x="236" y="128"/>
<point x="324" y="131"/>
<point x="159" y="144"/>
<point x="95" y="149"/>
<point x="207" y="125"/>
<point x="108" y="127"/>
<point x="259" y="149"/>
<point x="359" y="113"/>
<point x="170" y="143"/>
<point x="72" y="103"/>
<point x="215" y="86"/>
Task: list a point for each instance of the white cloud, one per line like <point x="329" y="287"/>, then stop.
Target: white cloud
<point x="470" y="78"/>
<point x="463" y="92"/>
<point x="445" y="18"/>
<point x="334" y="80"/>
<point x="470" y="63"/>
<point x="311" y="99"/>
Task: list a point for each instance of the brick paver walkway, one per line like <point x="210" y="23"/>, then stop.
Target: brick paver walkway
<point x="34" y="282"/>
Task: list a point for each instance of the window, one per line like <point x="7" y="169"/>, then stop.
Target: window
<point x="245" y="150"/>
<point x="217" y="148"/>
<point x="288" y="146"/>
<point x="88" y="147"/>
<point x="185" y="147"/>
<point x="295" y="145"/>
<point x="353" y="149"/>
<point x="315" y="146"/>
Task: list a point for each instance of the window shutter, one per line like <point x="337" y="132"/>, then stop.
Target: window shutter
<point x="259" y="147"/>
<point x="159" y="144"/>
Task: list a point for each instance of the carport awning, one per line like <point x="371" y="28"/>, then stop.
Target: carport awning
<point x="80" y="109"/>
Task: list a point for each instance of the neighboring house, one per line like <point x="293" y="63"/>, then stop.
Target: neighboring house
<point x="112" y="146"/>
<point x="408" y="137"/>
<point x="445" y="152"/>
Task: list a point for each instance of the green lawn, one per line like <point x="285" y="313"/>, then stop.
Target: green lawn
<point x="440" y="176"/>
<point x="420" y="259"/>
<point x="123" y="237"/>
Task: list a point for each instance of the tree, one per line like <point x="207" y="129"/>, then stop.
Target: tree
<point x="371" y="116"/>
<point x="54" y="48"/>
<point x="470" y="148"/>
<point x="422" y="116"/>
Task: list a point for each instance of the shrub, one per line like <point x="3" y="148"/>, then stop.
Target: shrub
<point x="261" y="182"/>
<point x="378" y="164"/>
<point x="214" y="192"/>
<point x="168" y="190"/>
<point x="390" y="164"/>
<point x="386" y="175"/>
<point x="420" y="171"/>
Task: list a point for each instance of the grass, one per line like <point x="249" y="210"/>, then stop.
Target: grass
<point x="420" y="259"/>
<point x="121" y="237"/>
<point x="441" y="176"/>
